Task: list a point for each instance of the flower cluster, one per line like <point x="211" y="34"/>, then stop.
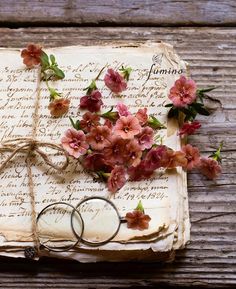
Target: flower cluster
<point x="188" y="100"/>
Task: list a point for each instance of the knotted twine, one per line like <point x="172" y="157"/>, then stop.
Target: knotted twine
<point x="30" y="145"/>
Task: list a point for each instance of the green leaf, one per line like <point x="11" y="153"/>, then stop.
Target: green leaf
<point x="155" y="123"/>
<point x="173" y="112"/>
<point x="44" y="60"/>
<point x="169" y="105"/>
<point x="58" y="72"/>
<point x="140" y="207"/>
<point x="76" y="124"/>
<point x="199" y="107"/>
<point x="53" y="59"/>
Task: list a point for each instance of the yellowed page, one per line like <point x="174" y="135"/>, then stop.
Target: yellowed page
<point x="81" y="64"/>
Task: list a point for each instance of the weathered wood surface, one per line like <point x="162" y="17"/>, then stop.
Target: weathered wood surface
<point x="210" y="259"/>
<point x="122" y="12"/>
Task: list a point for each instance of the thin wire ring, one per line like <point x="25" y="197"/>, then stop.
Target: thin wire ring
<point x="90" y="243"/>
<point x="79" y="238"/>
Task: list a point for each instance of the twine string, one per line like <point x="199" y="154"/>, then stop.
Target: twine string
<point x="30" y="146"/>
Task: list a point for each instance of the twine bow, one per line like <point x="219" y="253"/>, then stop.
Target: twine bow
<point x="30" y="146"/>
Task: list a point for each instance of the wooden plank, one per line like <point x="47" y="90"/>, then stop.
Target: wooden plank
<point x="132" y="12"/>
<point x="210" y="258"/>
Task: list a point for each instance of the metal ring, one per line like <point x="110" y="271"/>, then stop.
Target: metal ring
<point x="79" y="238"/>
<point x="102" y="242"/>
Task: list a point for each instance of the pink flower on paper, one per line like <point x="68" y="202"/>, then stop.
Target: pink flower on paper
<point x="145" y="138"/>
<point x="32" y="55"/>
<point x="141" y="172"/>
<point x="157" y="158"/>
<point x="127" y="127"/>
<point x="89" y="120"/>
<point x="115" y="151"/>
<point x="122" y="109"/>
<point x="137" y="220"/>
<point x="59" y="106"/>
<point x="74" y="142"/>
<point x="183" y="92"/>
<point x="92" y="101"/>
<point x="133" y="153"/>
<point x="99" y="137"/>
<point x="142" y="116"/>
<point x="108" y="123"/>
<point x="176" y="159"/>
<point x="116" y="179"/>
<point x="114" y="81"/>
<point x="209" y="168"/>
<point x="192" y="155"/>
<point x="189" y="128"/>
<point x="96" y="162"/>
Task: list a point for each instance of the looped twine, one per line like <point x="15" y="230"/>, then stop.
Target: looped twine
<point x="30" y="145"/>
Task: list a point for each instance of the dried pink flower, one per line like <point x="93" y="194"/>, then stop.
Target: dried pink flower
<point x="145" y="138"/>
<point x="108" y="123"/>
<point x="176" y="159"/>
<point x="122" y="109"/>
<point x="115" y="151"/>
<point x="99" y="137"/>
<point x="127" y="127"/>
<point x="115" y="81"/>
<point x="209" y="168"/>
<point x="116" y="179"/>
<point x="142" y="116"/>
<point x="74" y="142"/>
<point x="192" y="155"/>
<point x="133" y="153"/>
<point x="137" y="220"/>
<point x="89" y="120"/>
<point x="96" y="162"/>
<point x="189" y="128"/>
<point x="157" y="157"/>
<point x="183" y="92"/>
<point x="141" y="172"/>
<point x="92" y="101"/>
<point x="32" y="55"/>
<point x="59" y="106"/>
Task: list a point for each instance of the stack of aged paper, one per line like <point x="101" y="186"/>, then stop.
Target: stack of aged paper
<point x="155" y="68"/>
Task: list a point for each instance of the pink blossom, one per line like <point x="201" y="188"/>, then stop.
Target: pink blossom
<point x="96" y="162"/>
<point x="189" y="128"/>
<point x="209" y="168"/>
<point x="115" y="151"/>
<point x="173" y="159"/>
<point x="142" y="116"/>
<point x="183" y="92"/>
<point x="122" y="109"/>
<point x="137" y="220"/>
<point x="99" y="137"/>
<point x="127" y="127"/>
<point x="116" y="179"/>
<point x="89" y="120"/>
<point x="145" y="138"/>
<point x="108" y="123"/>
<point x="114" y="81"/>
<point x="92" y="101"/>
<point x="156" y="158"/>
<point x="141" y="172"/>
<point x="133" y="153"/>
<point x="192" y="155"/>
<point x="74" y="142"/>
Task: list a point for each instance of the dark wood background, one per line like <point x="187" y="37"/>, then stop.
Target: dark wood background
<point x="204" y="34"/>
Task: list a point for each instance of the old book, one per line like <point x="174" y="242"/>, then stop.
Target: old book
<point x="155" y="68"/>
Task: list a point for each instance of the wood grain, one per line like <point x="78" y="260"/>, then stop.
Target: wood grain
<point x="210" y="259"/>
<point x="122" y="12"/>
